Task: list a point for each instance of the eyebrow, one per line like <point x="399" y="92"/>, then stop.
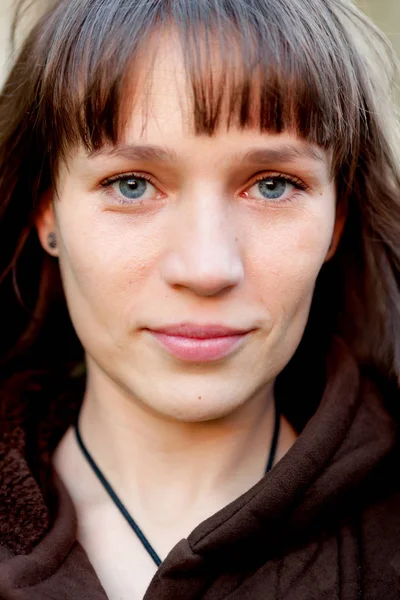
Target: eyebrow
<point x="284" y="153"/>
<point x="134" y="152"/>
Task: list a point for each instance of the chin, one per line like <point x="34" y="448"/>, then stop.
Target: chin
<point x="199" y="393"/>
<point x="201" y="409"/>
<point x="198" y="414"/>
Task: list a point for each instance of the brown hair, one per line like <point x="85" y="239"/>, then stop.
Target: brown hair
<point x="317" y="67"/>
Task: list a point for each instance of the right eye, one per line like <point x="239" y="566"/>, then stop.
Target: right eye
<point x="127" y="188"/>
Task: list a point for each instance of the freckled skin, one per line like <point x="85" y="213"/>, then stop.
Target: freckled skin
<point x="200" y="251"/>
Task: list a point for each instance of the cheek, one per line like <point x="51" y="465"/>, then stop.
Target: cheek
<point x="104" y="268"/>
<point x="285" y="257"/>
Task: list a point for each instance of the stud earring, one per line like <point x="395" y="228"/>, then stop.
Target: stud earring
<point x="52" y="240"/>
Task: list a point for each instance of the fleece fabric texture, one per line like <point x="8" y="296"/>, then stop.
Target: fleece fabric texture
<point x="324" y="524"/>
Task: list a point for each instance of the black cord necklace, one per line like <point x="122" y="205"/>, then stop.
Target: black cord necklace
<point x="120" y="505"/>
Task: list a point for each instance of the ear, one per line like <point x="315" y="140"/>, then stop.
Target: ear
<point x="45" y="223"/>
<point x="341" y="214"/>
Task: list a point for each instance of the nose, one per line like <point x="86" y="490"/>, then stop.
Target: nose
<point x="203" y="250"/>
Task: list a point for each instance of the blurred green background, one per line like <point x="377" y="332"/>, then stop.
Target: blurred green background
<point x="386" y="13"/>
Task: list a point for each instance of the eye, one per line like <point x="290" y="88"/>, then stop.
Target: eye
<point x="276" y="188"/>
<point x="128" y="188"/>
<point x="273" y="187"/>
<point x="133" y="187"/>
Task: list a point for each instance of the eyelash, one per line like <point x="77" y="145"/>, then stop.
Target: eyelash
<point x="299" y="185"/>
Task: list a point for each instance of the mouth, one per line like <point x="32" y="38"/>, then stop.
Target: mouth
<point x="195" y="343"/>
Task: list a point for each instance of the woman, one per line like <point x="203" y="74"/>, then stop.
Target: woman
<point x="200" y="299"/>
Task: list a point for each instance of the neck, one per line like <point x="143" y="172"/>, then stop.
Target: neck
<point x="196" y="468"/>
<point x="145" y="452"/>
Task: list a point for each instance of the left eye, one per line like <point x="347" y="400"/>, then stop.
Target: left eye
<point x="134" y="188"/>
<point x="271" y="188"/>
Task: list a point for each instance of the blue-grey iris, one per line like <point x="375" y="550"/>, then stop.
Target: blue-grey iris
<point x="272" y="188"/>
<point x="133" y="187"/>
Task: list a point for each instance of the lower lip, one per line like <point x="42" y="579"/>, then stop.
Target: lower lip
<point x="196" y="349"/>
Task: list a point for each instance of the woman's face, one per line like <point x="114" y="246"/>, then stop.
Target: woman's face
<point x="171" y="228"/>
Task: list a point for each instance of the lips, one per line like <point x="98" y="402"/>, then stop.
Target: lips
<point x="199" y="343"/>
<point x="200" y="331"/>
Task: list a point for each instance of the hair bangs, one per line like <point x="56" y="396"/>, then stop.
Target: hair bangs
<point x="258" y="64"/>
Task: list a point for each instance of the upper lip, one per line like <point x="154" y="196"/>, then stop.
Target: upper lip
<point x="191" y="330"/>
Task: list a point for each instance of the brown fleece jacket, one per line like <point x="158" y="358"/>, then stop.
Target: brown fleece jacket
<point x="323" y="524"/>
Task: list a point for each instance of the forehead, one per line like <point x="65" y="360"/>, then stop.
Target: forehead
<point x="163" y="90"/>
